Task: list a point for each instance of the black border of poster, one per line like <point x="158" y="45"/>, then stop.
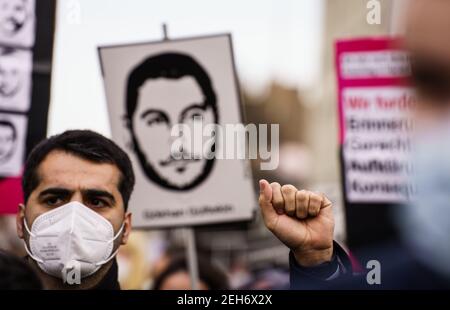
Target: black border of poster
<point x="42" y="50"/>
<point x="42" y="66"/>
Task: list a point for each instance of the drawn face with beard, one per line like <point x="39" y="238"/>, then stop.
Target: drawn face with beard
<point x="10" y="76"/>
<point x="8" y="137"/>
<point x="162" y="91"/>
<point x="13" y="16"/>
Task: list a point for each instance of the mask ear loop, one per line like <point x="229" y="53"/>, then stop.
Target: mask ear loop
<point x="25" y="244"/>
<point x="115" y="252"/>
<point x="26" y="227"/>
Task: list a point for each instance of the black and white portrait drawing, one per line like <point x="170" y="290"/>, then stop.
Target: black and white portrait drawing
<point x="151" y="115"/>
<point x="12" y="142"/>
<point x="17" y="22"/>
<point x="151" y="88"/>
<point x="15" y="79"/>
<point x="8" y="140"/>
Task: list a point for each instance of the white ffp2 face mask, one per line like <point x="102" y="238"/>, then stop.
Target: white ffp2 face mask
<point x="71" y="235"/>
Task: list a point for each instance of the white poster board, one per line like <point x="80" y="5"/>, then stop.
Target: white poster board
<point x="149" y="88"/>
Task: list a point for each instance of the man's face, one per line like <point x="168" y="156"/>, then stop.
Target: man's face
<point x="7" y="142"/>
<point x="64" y="178"/>
<point x="13" y="15"/>
<point x="428" y="42"/>
<point x="10" y="78"/>
<point x="153" y="119"/>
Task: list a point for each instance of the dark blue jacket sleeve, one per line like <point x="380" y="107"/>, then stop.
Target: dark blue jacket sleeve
<point x="323" y="275"/>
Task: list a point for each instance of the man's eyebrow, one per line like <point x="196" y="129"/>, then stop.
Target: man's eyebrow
<point x="150" y="111"/>
<point x="60" y="191"/>
<point x="98" y="193"/>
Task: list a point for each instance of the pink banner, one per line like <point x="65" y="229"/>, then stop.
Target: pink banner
<point x="374" y="103"/>
<point x="10" y="195"/>
<point x="368" y="78"/>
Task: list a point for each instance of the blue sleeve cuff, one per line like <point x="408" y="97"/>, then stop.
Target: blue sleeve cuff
<point x="318" y="276"/>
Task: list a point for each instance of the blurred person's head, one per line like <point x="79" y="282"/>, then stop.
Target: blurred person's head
<point x="176" y="276"/>
<point x="13" y="16"/>
<point x="425" y="224"/>
<point x="76" y="189"/>
<point x="16" y="274"/>
<point x="162" y="91"/>
<point x="271" y="278"/>
<point x="429" y="47"/>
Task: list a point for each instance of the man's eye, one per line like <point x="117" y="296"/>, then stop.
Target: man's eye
<point x="98" y="203"/>
<point x="53" y="201"/>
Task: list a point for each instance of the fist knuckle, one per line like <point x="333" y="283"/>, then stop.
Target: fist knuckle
<point x="301" y="196"/>
<point x="288" y="189"/>
<point x="315" y="198"/>
<point x="275" y="185"/>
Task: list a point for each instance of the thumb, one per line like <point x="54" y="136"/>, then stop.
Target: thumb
<point x="265" y="199"/>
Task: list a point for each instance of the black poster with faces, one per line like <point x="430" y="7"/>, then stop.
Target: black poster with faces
<point x="26" y="48"/>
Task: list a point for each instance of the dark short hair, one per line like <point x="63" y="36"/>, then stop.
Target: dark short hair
<point x="170" y="66"/>
<point x="85" y="144"/>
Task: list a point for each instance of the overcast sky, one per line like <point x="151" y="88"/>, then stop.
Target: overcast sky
<point x="273" y="39"/>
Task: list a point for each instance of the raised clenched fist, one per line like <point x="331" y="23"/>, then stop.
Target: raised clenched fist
<point x="301" y="219"/>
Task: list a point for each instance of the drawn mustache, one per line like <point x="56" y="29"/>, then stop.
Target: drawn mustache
<point x="172" y="161"/>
